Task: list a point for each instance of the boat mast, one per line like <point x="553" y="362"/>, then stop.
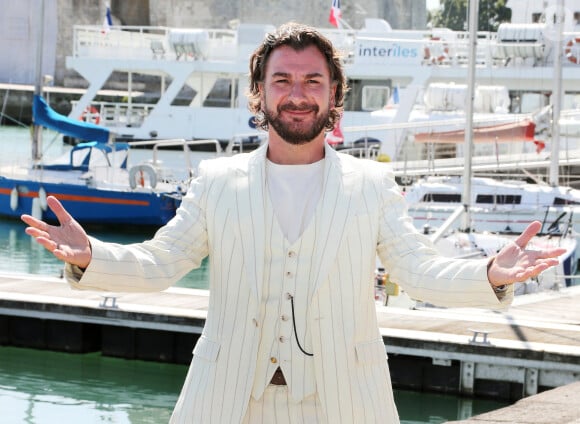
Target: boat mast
<point x="468" y="142"/>
<point x="37" y="129"/>
<point x="559" y="17"/>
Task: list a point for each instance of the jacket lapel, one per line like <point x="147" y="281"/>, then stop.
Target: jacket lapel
<point x="336" y="208"/>
<point x="251" y="213"/>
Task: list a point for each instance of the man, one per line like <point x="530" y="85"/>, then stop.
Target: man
<point x="292" y="231"/>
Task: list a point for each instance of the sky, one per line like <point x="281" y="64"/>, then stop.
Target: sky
<point x="432" y="4"/>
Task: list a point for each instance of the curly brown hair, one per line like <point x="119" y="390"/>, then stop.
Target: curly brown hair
<point x="297" y="36"/>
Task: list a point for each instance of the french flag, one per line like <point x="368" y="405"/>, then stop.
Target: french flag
<point x="335" y="13"/>
<point x="108" y="21"/>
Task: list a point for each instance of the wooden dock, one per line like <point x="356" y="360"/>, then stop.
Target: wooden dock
<point x="532" y="347"/>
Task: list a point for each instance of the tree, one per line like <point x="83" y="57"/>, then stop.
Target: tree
<point x="453" y="15"/>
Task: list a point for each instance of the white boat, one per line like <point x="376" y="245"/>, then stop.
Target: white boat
<point x="501" y="206"/>
<point x="475" y="245"/>
<point x="98" y="182"/>
<point x="196" y="79"/>
<point x="464" y="241"/>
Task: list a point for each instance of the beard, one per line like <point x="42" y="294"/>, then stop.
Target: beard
<point x="296" y="131"/>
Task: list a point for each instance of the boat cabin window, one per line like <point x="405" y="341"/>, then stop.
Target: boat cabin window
<point x="367" y="95"/>
<point x="562" y="201"/>
<point x="222" y="94"/>
<point x="375" y="97"/>
<point x="442" y="198"/>
<point x="499" y="199"/>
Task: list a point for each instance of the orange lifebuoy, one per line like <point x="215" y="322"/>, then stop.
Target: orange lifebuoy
<point x="442" y="48"/>
<point x="572" y="50"/>
<point x="91" y="114"/>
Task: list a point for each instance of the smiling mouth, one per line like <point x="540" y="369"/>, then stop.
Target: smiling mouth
<point x="295" y="109"/>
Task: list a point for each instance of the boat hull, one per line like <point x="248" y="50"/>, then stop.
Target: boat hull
<point x="88" y="205"/>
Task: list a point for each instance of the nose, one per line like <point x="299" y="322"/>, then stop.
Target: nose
<point x="296" y="90"/>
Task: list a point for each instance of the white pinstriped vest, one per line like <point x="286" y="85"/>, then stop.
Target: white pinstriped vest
<point x="286" y="271"/>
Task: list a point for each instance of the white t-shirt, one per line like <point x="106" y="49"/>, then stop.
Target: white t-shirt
<point x="294" y="191"/>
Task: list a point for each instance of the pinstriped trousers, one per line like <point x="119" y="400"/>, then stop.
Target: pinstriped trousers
<point x="276" y="406"/>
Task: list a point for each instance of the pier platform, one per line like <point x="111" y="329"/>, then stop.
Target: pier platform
<point x="530" y="348"/>
<point x="559" y="405"/>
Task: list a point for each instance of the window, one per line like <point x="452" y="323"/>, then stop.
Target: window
<point x="484" y="198"/>
<point x="442" y="198"/>
<point x="499" y="199"/>
<point x="375" y="97"/>
<point x="561" y="201"/>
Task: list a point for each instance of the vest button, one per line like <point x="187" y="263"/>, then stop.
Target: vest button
<point x="291" y="254"/>
<point x="273" y="360"/>
<point x="284" y="317"/>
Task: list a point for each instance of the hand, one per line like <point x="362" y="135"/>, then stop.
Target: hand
<point x="68" y="241"/>
<point x="514" y="263"/>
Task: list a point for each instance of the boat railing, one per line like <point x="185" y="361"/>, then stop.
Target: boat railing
<point x="170" y="161"/>
<point x="146" y="43"/>
<point x="432" y="47"/>
<point x="245" y="142"/>
<point x="363" y="152"/>
<point x="116" y="114"/>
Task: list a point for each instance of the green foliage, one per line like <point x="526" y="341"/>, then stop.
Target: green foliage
<point x="454" y="15"/>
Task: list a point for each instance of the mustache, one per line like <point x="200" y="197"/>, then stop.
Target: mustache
<point x="298" y="108"/>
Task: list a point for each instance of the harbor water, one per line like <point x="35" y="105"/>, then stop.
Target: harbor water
<point x="38" y="386"/>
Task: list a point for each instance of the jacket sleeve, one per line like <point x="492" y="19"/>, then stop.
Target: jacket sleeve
<point x="153" y="265"/>
<point x="414" y="263"/>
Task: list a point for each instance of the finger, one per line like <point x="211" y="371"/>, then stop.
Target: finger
<point x="58" y="209"/>
<point x="47" y="243"/>
<point x="532" y="271"/>
<point x="530" y="231"/>
<point x="552" y="253"/>
<point x="36" y="232"/>
<point x="34" y="222"/>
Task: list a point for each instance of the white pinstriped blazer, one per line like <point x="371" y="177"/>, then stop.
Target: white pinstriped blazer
<point x="364" y="214"/>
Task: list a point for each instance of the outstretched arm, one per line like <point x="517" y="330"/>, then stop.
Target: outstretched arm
<point x="68" y="241"/>
<point x="514" y="263"/>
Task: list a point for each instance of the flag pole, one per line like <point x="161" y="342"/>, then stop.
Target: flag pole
<point x="37" y="129"/>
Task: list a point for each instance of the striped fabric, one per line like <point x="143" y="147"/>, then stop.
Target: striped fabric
<point x="277" y="407"/>
<point x="287" y="271"/>
<point x="361" y="214"/>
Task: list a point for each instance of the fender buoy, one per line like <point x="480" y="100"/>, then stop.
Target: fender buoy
<point x="572" y="50"/>
<point x="137" y="176"/>
<point x="91" y="114"/>
<point x="42" y="198"/>
<point x="14" y="199"/>
<point x="442" y="49"/>
<point x="36" y="210"/>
